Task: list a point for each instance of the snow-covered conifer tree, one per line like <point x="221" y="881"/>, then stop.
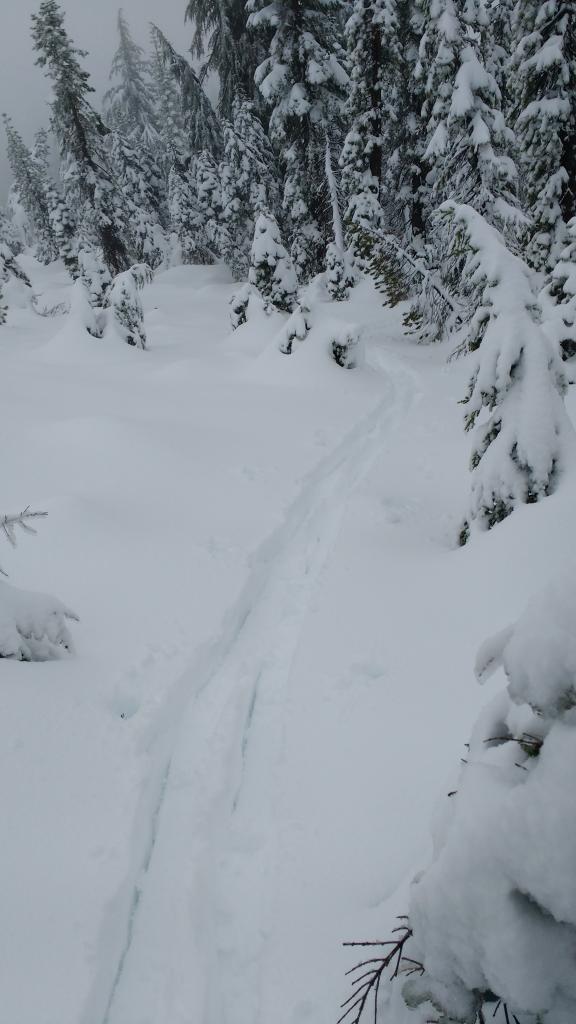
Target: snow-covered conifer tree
<point x="228" y="50"/>
<point x="204" y="132"/>
<point x="271" y="268"/>
<point x="544" y="82"/>
<point x="303" y="81"/>
<point x="31" y="184"/>
<point x="142" y="211"/>
<point x="126" y="313"/>
<point x="173" y="144"/>
<point x="562" y="322"/>
<point x="249" y="184"/>
<point x="517" y="453"/>
<point x="382" y="153"/>
<point x="469" y="147"/>
<point x="129" y="103"/>
<point x="80" y="132"/>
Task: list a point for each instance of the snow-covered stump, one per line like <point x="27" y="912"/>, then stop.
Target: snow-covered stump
<point x="126" y="313"/>
<point x="518" y="380"/>
<point x="271" y="268"/>
<point x="494" y="915"/>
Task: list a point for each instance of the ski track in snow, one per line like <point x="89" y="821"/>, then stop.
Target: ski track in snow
<point x="205" y="842"/>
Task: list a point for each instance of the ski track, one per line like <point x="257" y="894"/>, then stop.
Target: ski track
<point x="172" y="952"/>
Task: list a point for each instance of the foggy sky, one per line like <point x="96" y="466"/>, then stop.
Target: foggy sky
<point x="24" y="92"/>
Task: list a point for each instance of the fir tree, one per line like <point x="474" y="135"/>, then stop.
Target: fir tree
<point x="80" y="132"/>
<point x="31" y="184"/>
<point x="125" y="306"/>
<point x="139" y="180"/>
<point x="563" y="289"/>
<point x="382" y="155"/>
<point x="228" y="50"/>
<point x="303" y="82"/>
<point x="516" y="455"/>
<point x="200" y="122"/>
<point x="172" y="143"/>
<point x="248" y="182"/>
<point x="271" y="268"/>
<point x="545" y="93"/>
<point x="469" y="147"/>
<point x="129" y="103"/>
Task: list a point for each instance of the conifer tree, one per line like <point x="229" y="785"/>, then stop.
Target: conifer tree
<point x="545" y="94"/>
<point x="172" y="144"/>
<point x="469" y="147"/>
<point x="249" y="184"/>
<point x="80" y="132"/>
<point x="200" y="121"/>
<point x="303" y="82"/>
<point x="382" y="156"/>
<point x="126" y="313"/>
<point x="228" y="50"/>
<point x="31" y="184"/>
<point x="271" y="268"/>
<point x="129" y="103"/>
<point x="139" y="181"/>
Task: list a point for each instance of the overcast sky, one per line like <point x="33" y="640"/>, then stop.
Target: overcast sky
<point x="24" y="92"/>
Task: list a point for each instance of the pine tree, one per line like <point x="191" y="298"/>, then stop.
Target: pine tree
<point x="303" y="82"/>
<point x="80" y="132"/>
<point x="31" y="185"/>
<point x="248" y="178"/>
<point x="271" y="268"/>
<point x="229" y="50"/>
<point x="545" y="93"/>
<point x="129" y="103"/>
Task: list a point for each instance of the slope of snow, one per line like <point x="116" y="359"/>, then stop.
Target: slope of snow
<point x="273" y="677"/>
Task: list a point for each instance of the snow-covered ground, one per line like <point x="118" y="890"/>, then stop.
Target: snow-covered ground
<point x="273" y="674"/>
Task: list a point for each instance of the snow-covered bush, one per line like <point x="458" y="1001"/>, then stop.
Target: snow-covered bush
<point x="95" y="275"/>
<point x="239" y="306"/>
<point x="296" y="328"/>
<point x="517" y="381"/>
<point x="82" y="311"/>
<point x="494" y="915"/>
<point x="345" y="346"/>
<point x="32" y="626"/>
<point x="126" y="313"/>
<point x="271" y="268"/>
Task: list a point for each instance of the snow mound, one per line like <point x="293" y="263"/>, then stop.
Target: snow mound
<point x="33" y="626"/>
<point x="494" y="915"/>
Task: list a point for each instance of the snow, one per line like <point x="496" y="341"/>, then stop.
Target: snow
<point x="273" y="677"/>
